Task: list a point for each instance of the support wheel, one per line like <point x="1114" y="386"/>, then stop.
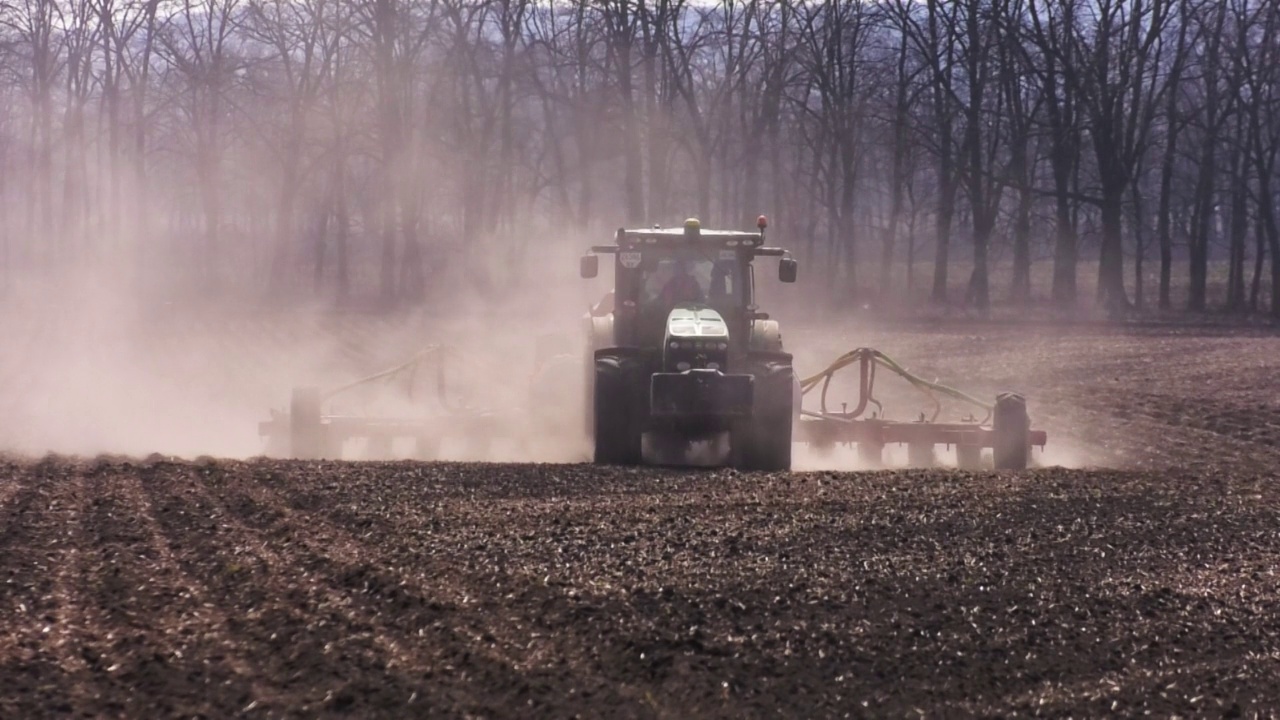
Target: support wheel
<point x="871" y="455"/>
<point x="1011" y="427"/>
<point x="617" y="411"/>
<point x="920" y="455"/>
<point x="307" y="433"/>
<point x="969" y="457"/>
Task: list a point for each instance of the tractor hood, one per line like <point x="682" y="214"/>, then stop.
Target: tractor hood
<point x="695" y="321"/>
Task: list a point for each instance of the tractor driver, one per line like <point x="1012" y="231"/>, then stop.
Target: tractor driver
<point x="682" y="287"/>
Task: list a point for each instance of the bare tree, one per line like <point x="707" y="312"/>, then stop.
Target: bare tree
<point x="370" y="141"/>
<point x="296" y="35"/>
<point x="1117" y="78"/>
<point x="197" y="44"/>
<point x="1262" y="87"/>
<point x="1173" y="124"/>
<point x="1050" y="30"/>
<point x="1213" y="114"/>
<point x="935" y="38"/>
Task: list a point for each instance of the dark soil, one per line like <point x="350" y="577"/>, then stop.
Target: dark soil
<point x="164" y="588"/>
<point x="269" y="589"/>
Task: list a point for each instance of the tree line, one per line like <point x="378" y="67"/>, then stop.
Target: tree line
<point x="389" y="147"/>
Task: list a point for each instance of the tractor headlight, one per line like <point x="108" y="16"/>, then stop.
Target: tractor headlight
<point x="675" y="345"/>
<point x="682" y="366"/>
<point x="722" y="346"/>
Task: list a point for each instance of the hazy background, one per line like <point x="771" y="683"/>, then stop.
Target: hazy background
<point x="205" y="203"/>
<point x="394" y="151"/>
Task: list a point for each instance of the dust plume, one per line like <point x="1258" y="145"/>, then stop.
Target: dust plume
<point x="95" y="365"/>
<point x="91" y="364"/>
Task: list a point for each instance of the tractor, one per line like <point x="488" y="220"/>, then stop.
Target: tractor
<point x="681" y="354"/>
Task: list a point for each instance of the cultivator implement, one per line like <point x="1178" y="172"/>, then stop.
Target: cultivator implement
<point x="309" y="431"/>
<point x="1004" y="428"/>
<point x="678" y="359"/>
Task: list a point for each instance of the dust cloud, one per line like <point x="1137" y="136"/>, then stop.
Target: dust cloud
<point x="95" y="364"/>
<point x="92" y="364"/>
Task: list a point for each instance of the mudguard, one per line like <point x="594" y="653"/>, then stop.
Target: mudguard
<point x="600" y="331"/>
<point x="766" y="337"/>
<point x="776" y="385"/>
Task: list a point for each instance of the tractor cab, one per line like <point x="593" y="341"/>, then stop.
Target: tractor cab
<point x="707" y="273"/>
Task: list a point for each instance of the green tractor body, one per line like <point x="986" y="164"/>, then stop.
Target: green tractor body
<point x="683" y="356"/>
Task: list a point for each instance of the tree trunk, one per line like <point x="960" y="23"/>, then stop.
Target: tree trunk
<point x="286" y="209"/>
<point x="320" y="249"/>
<point x="1020" y="288"/>
<point x="1199" y="240"/>
<point x="209" y="175"/>
<point x="1259" y="257"/>
<point x="979" y="283"/>
<point x="633" y="170"/>
<point x="946" y="212"/>
<point x="1238" y="230"/>
<point x="1163" y="221"/>
<point x="848" y="206"/>
<point x="1065" y="251"/>
<point x="1207" y="174"/>
<point x="1140" y="246"/>
<point x="946" y="172"/>
<point x="342" y="281"/>
<point x="1111" y="270"/>
<point x="1173" y="126"/>
<point x="1267" y="218"/>
<point x="901" y="128"/>
<point x="911" y="253"/>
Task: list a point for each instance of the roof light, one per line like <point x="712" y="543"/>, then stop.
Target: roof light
<point x="692" y="227"/>
<point x="762" y="222"/>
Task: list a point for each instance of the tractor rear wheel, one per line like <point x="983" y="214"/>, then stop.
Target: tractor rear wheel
<point x="617" y="410"/>
<point x="1010" y="425"/>
<point x="763" y="441"/>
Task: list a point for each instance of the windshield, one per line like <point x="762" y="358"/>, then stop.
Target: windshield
<point x="693" y="278"/>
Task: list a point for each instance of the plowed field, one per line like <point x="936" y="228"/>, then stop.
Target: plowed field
<point x="1143" y="580"/>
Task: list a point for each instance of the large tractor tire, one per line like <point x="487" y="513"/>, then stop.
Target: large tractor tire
<point x="1011" y="425"/>
<point x="618" y="409"/>
<point x="763" y="441"/>
<point x="307" y="434"/>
